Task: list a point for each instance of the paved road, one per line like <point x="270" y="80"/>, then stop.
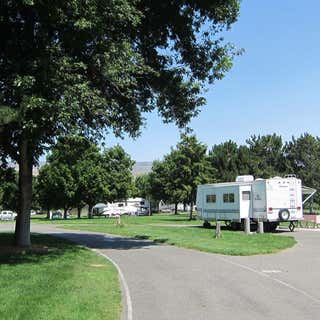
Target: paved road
<point x="169" y="283"/>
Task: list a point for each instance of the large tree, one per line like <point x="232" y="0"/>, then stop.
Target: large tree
<point x="142" y="186"/>
<point x="56" y="187"/>
<point x="224" y="159"/>
<point x="303" y="155"/>
<point x="175" y="179"/>
<point x="193" y="167"/>
<point x="118" y="165"/>
<point x="77" y="173"/>
<point x="267" y="155"/>
<point x="92" y="65"/>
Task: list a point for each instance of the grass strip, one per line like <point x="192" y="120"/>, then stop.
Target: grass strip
<point x="56" y="279"/>
<point x="231" y="243"/>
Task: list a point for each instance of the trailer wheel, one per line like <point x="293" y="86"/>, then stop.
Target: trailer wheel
<point x="207" y="224"/>
<point x="284" y="215"/>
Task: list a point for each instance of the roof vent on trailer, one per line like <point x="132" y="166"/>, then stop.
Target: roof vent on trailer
<point x="247" y="178"/>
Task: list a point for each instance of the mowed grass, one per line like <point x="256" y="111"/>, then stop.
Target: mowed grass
<point x="56" y="279"/>
<point x="166" y="219"/>
<point x="174" y="230"/>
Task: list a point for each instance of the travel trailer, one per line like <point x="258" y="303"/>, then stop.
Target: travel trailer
<point x="269" y="200"/>
<point x="131" y="206"/>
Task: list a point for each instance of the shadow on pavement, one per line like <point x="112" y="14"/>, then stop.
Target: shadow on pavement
<point x="99" y="241"/>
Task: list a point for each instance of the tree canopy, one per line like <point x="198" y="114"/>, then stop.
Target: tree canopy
<point x="175" y="179"/>
<point x="93" y="66"/>
<point x="303" y="156"/>
<point x="8" y="188"/>
<point x="77" y="173"/>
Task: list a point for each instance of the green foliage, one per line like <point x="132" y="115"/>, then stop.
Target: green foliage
<point x="142" y="186"/>
<point x="224" y="158"/>
<point x="262" y="156"/>
<point x="56" y="186"/>
<point x="303" y="155"/>
<point x="8" y="189"/>
<point x="118" y="164"/>
<point x="268" y="155"/>
<point x="77" y="173"/>
<point x="87" y="66"/>
<point x="175" y="179"/>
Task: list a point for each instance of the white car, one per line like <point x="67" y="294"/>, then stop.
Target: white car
<point x="7" y="215"/>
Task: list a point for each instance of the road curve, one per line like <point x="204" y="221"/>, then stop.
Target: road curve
<point x="170" y="283"/>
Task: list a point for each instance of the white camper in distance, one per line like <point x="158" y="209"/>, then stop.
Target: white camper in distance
<point x="268" y="200"/>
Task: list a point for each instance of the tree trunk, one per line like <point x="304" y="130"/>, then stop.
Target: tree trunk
<point x="150" y="213"/>
<point x="184" y="207"/>
<point x="65" y="213"/>
<point x="79" y="212"/>
<point x="48" y="214"/>
<point x="22" y="229"/>
<point x="191" y="211"/>
<point x="90" y="211"/>
<point x="175" y="208"/>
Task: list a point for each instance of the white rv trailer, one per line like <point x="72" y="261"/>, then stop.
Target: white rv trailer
<point x="268" y="200"/>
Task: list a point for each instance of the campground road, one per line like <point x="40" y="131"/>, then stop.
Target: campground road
<point x="170" y="283"/>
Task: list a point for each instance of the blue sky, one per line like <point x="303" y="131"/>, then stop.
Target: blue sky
<point x="273" y="87"/>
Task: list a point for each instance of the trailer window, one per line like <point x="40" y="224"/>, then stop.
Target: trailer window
<point x="228" y="197"/>
<point x="211" y="198"/>
<point x="245" y="195"/>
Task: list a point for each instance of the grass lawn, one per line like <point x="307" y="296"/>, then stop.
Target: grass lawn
<point x="168" y="219"/>
<point x="157" y="228"/>
<point x="56" y="279"/>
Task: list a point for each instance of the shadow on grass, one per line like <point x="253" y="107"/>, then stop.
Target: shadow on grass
<point x="182" y="219"/>
<point x="212" y="227"/>
<point x="253" y="229"/>
<point x="43" y="247"/>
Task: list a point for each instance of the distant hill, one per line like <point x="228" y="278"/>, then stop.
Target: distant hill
<point x="140" y="168"/>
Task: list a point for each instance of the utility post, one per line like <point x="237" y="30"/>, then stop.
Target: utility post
<point x="247" y="226"/>
<point x="218" y="230"/>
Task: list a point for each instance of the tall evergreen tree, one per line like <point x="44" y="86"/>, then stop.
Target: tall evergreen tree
<point x="224" y="159"/>
<point x="303" y="155"/>
<point x="267" y="153"/>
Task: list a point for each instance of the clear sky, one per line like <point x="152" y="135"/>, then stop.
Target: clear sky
<point x="273" y="87"/>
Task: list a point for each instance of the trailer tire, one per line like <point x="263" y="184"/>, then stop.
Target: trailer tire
<point x="284" y="214"/>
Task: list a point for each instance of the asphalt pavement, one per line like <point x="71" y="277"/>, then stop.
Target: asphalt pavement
<point x="170" y="283"/>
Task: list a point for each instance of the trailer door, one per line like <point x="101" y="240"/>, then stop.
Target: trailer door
<point x="245" y="202"/>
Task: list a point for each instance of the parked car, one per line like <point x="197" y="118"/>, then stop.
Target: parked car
<point x="7" y="215"/>
<point x="57" y="214"/>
